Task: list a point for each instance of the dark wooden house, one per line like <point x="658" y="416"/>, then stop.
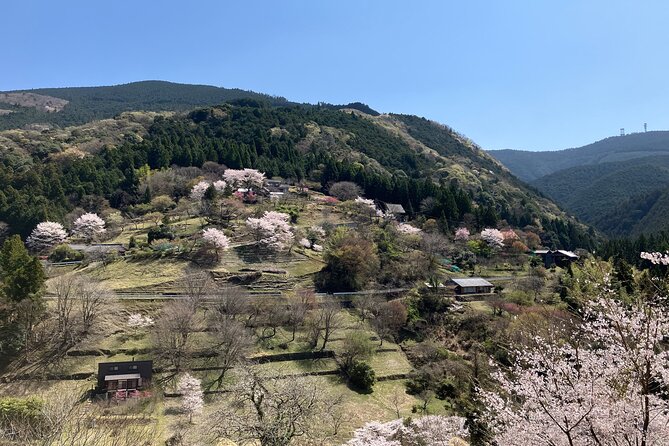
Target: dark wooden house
<point x="558" y="257"/>
<point x="474" y="285"/>
<point x="124" y="376"/>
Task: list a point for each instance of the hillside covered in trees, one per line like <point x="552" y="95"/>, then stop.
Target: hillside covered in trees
<point x="618" y="185"/>
<point x="424" y="166"/>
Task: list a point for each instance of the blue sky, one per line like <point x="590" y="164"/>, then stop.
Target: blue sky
<point x="533" y="74"/>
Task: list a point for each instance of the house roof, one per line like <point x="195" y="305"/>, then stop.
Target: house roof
<point x="122" y="377"/>
<point x="569" y="254"/>
<point x="395" y="208"/>
<point x="474" y="281"/>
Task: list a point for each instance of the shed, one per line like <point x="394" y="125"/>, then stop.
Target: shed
<point x="474" y="285"/>
<point x="124" y="376"/>
<point x="557" y="257"/>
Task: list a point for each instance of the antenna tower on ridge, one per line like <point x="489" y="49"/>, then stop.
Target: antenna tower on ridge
<point x="622" y="131"/>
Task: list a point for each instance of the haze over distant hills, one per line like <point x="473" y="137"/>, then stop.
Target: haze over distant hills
<point x="620" y="184"/>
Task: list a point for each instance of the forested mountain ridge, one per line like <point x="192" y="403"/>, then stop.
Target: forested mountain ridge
<point x="70" y="106"/>
<point x="616" y="184"/>
<point x="85" y="104"/>
<point x="529" y="166"/>
<point x="425" y="166"/>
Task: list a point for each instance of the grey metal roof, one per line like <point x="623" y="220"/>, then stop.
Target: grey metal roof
<point x="395" y="208"/>
<point x="567" y="253"/>
<point x="474" y="281"/>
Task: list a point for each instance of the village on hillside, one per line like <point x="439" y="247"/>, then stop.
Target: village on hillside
<point x="162" y="315"/>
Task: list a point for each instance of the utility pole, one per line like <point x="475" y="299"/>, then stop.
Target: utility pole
<point x="645" y="127"/>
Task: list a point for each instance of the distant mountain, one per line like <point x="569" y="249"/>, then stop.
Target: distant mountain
<point x="620" y="185"/>
<point x="86" y="104"/>
<point x="529" y="166"/>
<point x="616" y="197"/>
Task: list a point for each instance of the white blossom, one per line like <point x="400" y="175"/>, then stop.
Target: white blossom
<point x="609" y="383"/>
<point x="198" y="191"/>
<point x="245" y="178"/>
<point x="493" y="237"/>
<point x="220" y="185"/>
<point x="271" y="230"/>
<point x="434" y="430"/>
<point x="192" y="397"/>
<point x="656" y="258"/>
<point x="406" y="228"/>
<point x="136" y="320"/>
<point x="88" y="226"/>
<point x="46" y="235"/>
<point x="216" y="239"/>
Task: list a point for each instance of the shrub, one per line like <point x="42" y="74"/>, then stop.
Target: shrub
<point x="361" y="376"/>
<point x="160" y="232"/>
<point x="20" y="412"/>
<point x="63" y="253"/>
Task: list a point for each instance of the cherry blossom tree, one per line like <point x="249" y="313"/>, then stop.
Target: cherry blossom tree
<point x="137" y="321"/>
<point x="272" y="230"/>
<point x="404" y="228"/>
<point x="220" y="185"/>
<point x="216" y="239"/>
<point x="493" y="237"/>
<point x="88" y="226"/>
<point x="246" y="178"/>
<point x="45" y="236"/>
<point x="192" y="397"/>
<point x="462" y="234"/>
<point x="436" y="430"/>
<point x="606" y="386"/>
<point x="198" y="191"/>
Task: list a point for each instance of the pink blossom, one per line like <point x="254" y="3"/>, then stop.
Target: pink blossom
<point x="246" y="178"/>
<point x="220" y="185"/>
<point x="462" y="234"/>
<point x="656" y="258"/>
<point x="493" y="237"/>
<point x="271" y="230"/>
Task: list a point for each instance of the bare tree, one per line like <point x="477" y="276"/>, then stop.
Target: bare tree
<point x="231" y="302"/>
<point x="62" y="421"/>
<point x="298" y="307"/>
<point x="366" y="304"/>
<point x="172" y="333"/>
<point x="231" y="343"/>
<point x="79" y="302"/>
<point x="345" y="190"/>
<point x="324" y="321"/>
<point x="65" y="290"/>
<point x="197" y="286"/>
<point x="273" y="412"/>
<point x="93" y="297"/>
<point x="390" y="317"/>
